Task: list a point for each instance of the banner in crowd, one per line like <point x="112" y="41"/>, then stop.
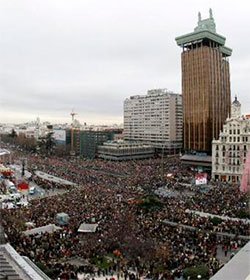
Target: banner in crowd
<point x="201" y="178"/>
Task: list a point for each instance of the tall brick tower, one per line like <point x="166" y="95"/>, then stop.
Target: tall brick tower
<point x="205" y="84"/>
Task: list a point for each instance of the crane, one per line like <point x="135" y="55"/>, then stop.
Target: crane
<point x="73" y="117"/>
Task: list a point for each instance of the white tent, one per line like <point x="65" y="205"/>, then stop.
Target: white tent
<point x="48" y="228"/>
<point x="87" y="228"/>
<point x="54" y="179"/>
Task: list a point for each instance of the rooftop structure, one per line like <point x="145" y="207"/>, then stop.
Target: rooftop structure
<point x="235" y="108"/>
<point x="122" y="150"/>
<point x="205" y="32"/>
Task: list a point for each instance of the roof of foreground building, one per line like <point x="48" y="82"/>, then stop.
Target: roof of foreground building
<point x="15" y="267"/>
<point x="237" y="268"/>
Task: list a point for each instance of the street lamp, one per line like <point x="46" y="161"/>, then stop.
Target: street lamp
<point x="24" y="162"/>
<point x="2" y="236"/>
<point x="162" y="160"/>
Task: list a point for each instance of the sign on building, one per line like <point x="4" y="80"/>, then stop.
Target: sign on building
<point x="60" y="136"/>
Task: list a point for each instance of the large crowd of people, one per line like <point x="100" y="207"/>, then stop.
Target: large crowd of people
<point x="112" y="195"/>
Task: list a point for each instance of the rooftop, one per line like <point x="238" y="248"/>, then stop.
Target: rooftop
<point x="204" y="31"/>
<point x="154" y="93"/>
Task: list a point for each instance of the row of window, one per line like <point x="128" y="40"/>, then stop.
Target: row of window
<point x="229" y="168"/>
<point x="231" y="148"/>
<point x="231" y="161"/>
<point x="234" y="139"/>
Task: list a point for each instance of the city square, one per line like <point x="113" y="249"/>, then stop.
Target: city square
<point x="124" y="140"/>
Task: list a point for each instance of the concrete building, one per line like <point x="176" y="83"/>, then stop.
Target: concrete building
<point x="154" y="119"/>
<point x="205" y="84"/>
<point x="120" y="150"/>
<point x="230" y="150"/>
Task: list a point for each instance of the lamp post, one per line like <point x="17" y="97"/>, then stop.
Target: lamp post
<point x="162" y="161"/>
<point x="72" y="151"/>
<point x="24" y="164"/>
<point x="23" y="167"/>
<point x="162" y="164"/>
<point x="2" y="236"/>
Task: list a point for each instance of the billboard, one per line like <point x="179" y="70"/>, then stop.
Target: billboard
<point x="201" y="178"/>
<point x="60" y="135"/>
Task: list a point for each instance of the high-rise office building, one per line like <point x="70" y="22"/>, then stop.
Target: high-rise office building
<point x="154" y="119"/>
<point x="205" y="84"/>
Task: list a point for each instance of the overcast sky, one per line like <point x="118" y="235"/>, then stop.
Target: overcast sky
<point x="90" y="55"/>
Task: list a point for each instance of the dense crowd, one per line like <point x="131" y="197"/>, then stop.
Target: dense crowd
<point x="111" y="194"/>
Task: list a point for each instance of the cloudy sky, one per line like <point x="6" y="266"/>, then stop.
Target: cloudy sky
<point x="90" y="55"/>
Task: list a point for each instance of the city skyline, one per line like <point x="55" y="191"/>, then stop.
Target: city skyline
<point x="91" y="56"/>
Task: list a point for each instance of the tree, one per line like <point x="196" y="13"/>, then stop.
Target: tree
<point x="194" y="271"/>
<point x="150" y="202"/>
<point x="13" y="133"/>
<point x="47" y="143"/>
<point x="61" y="150"/>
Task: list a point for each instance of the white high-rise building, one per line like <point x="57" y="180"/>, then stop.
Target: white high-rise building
<point x="155" y="119"/>
<point x="230" y="150"/>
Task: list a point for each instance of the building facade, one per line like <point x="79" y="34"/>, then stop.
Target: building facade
<point x="86" y="142"/>
<point x="205" y="85"/>
<point x="154" y="119"/>
<point x="230" y="150"/>
<point x="120" y="150"/>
